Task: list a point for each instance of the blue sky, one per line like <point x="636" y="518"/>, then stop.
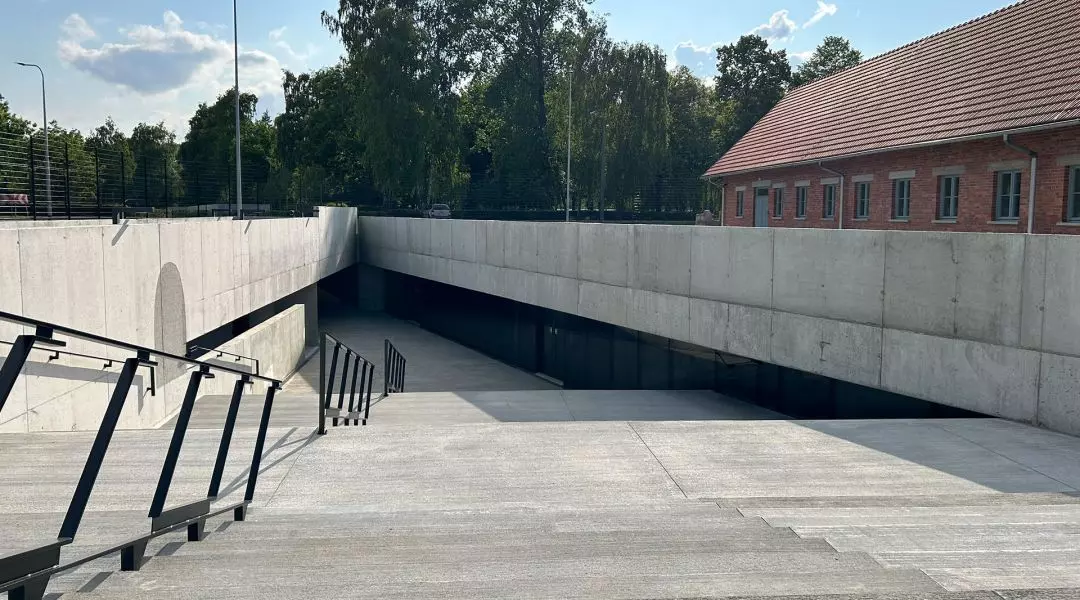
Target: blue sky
<point x="155" y="60"/>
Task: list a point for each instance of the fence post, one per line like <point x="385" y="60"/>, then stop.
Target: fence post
<point x="67" y="181"/>
<point x="97" y="181"/>
<point x="33" y="182"/>
<point x="145" y="179"/>
<point x="123" y="180"/>
<point x="165" y="165"/>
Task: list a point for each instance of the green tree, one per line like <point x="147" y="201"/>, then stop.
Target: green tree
<point x="208" y="152"/>
<point x="697" y="126"/>
<point x="833" y="55"/>
<point x="10" y="123"/>
<point x="14" y="134"/>
<point x="532" y="38"/>
<point x="115" y="162"/>
<point x="405" y="63"/>
<point x="157" y="177"/>
<point x="751" y="79"/>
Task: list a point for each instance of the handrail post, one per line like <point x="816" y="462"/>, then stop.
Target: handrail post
<point x="371" y="378"/>
<point x="364" y="383"/>
<point x="97" y="452"/>
<point x="182" y="420"/>
<point x="13" y="365"/>
<point x="344" y="381"/>
<point x="260" y="441"/>
<point x="329" y="396"/>
<point x="226" y="437"/>
<point x="322" y="384"/>
<point x="386" y="367"/>
<point x="352" y="390"/>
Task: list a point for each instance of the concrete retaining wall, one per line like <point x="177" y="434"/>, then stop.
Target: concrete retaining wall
<point x="278" y="343"/>
<point x="986" y="322"/>
<point x="156" y="283"/>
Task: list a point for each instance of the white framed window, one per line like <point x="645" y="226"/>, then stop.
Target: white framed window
<point x="1007" y="196"/>
<point x="862" y="200"/>
<point x="902" y="199"/>
<point x="740" y="199"/>
<point x="828" y="204"/>
<point x="778" y="203"/>
<point x="1073" y="211"/>
<point x="801" y="194"/>
<point x="949" y="197"/>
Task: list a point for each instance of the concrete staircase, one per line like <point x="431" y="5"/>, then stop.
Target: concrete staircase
<point x="557" y="494"/>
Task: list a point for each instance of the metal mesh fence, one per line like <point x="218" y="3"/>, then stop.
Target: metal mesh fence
<point x="79" y="180"/>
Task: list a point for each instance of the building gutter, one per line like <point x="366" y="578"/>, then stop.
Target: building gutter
<point x="930" y="144"/>
<point x="840" y="213"/>
<point x="1031" y="183"/>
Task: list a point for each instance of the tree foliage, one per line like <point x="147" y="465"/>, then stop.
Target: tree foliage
<point x="833" y="55"/>
<point x="465" y="102"/>
<point x="751" y="79"/>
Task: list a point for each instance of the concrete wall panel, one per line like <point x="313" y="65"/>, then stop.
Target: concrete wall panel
<point x="465" y="274"/>
<point x="13" y="416"/>
<point x="491" y="243"/>
<point x="557" y="293"/>
<point x="847" y="351"/>
<point x="603" y="252"/>
<point x="441" y="234"/>
<point x="606" y="303"/>
<point x="660" y="314"/>
<point x="732" y="265"/>
<point x="748" y="332"/>
<point x="1061" y="331"/>
<point x="660" y="259"/>
<point x="1059" y="393"/>
<point x="1034" y="292"/>
<point x="557" y="249"/>
<point x="129" y="253"/>
<point x="521" y="246"/>
<point x="987" y="378"/>
<point x="419" y="236"/>
<point x="837" y="275"/>
<point x="463" y="240"/>
<point x="955" y="285"/>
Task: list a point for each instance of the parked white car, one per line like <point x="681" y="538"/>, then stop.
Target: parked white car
<point x="439" y="211"/>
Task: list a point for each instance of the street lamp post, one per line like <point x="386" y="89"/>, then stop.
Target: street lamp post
<point x="569" y="114"/>
<point x="236" y="75"/>
<point x="45" y="118"/>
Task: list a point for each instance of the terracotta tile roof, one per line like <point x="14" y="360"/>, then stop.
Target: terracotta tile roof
<point x="1014" y="68"/>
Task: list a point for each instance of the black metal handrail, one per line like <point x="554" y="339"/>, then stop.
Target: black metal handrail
<point x="394" y="372"/>
<point x="26" y="574"/>
<point x="109" y="362"/>
<point x="220" y="353"/>
<point x="358" y="409"/>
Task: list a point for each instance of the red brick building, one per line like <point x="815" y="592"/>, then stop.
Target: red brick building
<point x="976" y="128"/>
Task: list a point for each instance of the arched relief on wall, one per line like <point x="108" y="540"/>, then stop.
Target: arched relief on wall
<point x="170" y="320"/>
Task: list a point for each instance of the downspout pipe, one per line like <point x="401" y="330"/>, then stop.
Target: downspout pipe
<point x="1031" y="183"/>
<point x="840" y="213"/>
<point x="723" y="196"/>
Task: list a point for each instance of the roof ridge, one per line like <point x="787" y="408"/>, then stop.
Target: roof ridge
<point x="913" y="43"/>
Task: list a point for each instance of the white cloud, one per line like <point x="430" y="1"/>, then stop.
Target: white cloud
<point x="76" y="28"/>
<point x="278" y="37"/>
<point x="701" y="60"/>
<point x="167" y="59"/>
<point x="823" y="10"/>
<point x="780" y="27"/>
<point x="800" y="57"/>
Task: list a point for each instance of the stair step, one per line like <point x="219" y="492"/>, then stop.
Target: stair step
<point x="560" y="580"/>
